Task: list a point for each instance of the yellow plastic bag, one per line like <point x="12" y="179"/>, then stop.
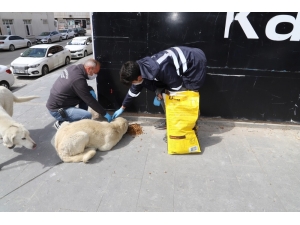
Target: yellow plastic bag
<point x="182" y="110"/>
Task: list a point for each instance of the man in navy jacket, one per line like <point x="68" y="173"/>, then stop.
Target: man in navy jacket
<point x="175" y="69"/>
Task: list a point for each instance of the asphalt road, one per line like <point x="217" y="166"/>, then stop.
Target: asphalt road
<point x="6" y="57"/>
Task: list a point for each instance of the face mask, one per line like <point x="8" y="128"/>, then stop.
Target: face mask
<point x="138" y="83"/>
<point x="92" y="77"/>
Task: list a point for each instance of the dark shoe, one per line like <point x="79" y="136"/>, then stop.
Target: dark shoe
<point x="165" y="139"/>
<point x="161" y="126"/>
<point x="57" y="124"/>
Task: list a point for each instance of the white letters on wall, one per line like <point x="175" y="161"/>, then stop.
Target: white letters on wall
<point x="270" y="27"/>
<point x="244" y="22"/>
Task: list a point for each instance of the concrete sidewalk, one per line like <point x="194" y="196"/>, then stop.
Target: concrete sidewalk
<point x="244" y="166"/>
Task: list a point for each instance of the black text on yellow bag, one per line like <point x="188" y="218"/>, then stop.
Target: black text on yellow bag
<point x="182" y="110"/>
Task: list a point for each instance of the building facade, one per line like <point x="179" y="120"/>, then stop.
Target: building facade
<point x="73" y="20"/>
<point x="26" y="24"/>
<point x="252" y="59"/>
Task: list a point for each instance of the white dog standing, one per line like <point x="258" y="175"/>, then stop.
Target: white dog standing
<point x="14" y="134"/>
<point x="78" y="141"/>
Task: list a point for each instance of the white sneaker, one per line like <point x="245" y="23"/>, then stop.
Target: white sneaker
<point x="57" y="124"/>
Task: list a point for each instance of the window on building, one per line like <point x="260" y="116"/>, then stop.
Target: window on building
<point x="9" y="25"/>
<point x="28" y="27"/>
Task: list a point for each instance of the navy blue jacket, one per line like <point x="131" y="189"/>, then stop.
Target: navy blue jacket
<point x="172" y="69"/>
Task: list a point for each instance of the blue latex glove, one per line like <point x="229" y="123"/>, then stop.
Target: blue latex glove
<point x="156" y="102"/>
<point x="117" y="113"/>
<point x="92" y="92"/>
<point x="108" y="117"/>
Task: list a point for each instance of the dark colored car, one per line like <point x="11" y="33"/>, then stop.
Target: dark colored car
<point x="79" y="31"/>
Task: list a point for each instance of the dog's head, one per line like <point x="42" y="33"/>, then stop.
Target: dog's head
<point x="122" y="124"/>
<point x="18" y="136"/>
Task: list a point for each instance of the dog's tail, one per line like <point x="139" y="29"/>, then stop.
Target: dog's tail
<point x="24" y="99"/>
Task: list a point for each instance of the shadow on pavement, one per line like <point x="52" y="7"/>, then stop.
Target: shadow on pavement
<point x="45" y="152"/>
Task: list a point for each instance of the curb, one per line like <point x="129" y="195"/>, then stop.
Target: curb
<point x="150" y="120"/>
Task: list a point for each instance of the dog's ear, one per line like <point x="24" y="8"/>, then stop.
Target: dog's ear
<point x="8" y="138"/>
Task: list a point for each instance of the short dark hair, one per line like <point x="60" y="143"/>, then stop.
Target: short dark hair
<point x="129" y="72"/>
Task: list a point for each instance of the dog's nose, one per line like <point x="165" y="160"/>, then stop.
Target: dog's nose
<point x="34" y="146"/>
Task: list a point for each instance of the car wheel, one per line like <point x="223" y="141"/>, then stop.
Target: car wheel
<point x="28" y="44"/>
<point x="11" y="47"/>
<point x="67" y="61"/>
<point x="4" y="84"/>
<point x="67" y="38"/>
<point x="60" y="39"/>
<point x="49" y="41"/>
<point x="45" y="70"/>
<point x="85" y="53"/>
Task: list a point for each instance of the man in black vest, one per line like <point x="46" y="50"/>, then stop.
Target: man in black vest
<point x="71" y="89"/>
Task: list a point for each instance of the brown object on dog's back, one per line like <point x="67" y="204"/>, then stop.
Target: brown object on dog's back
<point x="134" y="129"/>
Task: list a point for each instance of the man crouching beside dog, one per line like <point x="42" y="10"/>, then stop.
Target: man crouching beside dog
<point x="71" y="89"/>
<point x="78" y="137"/>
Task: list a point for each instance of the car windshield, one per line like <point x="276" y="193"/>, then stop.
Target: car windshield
<point x="76" y="42"/>
<point x="62" y="31"/>
<point x="35" y="52"/>
<point x="45" y="34"/>
<point x="2" y="37"/>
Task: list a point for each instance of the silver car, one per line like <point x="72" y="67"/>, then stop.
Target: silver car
<point x="67" y="33"/>
<point x="48" y="37"/>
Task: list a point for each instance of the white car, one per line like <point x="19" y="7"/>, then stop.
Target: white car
<point x="11" y="42"/>
<point x="40" y="59"/>
<point x="80" y="46"/>
<point x="67" y="33"/>
<point x="7" y="79"/>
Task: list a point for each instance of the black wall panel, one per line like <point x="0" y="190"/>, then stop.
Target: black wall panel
<point x="252" y="78"/>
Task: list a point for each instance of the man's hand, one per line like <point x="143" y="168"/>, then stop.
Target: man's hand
<point x="118" y="113"/>
<point x="159" y="97"/>
<point x="108" y="117"/>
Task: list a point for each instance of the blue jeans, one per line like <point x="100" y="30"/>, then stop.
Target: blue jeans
<point x="74" y="113"/>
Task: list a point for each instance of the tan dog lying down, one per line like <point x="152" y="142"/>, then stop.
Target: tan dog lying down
<point x="78" y="141"/>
